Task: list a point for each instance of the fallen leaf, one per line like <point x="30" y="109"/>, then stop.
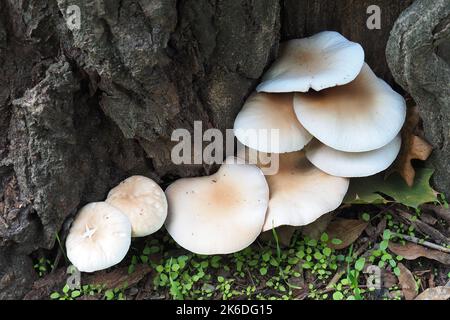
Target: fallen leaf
<point x="284" y="234"/>
<point x="412" y="251"/>
<point x="440" y="211"/>
<point x="315" y="229"/>
<point x="413" y="147"/>
<point x="389" y="279"/>
<point x="407" y="282"/>
<point x="372" y="190"/>
<point x="345" y="230"/>
<point x="436" y="293"/>
<point x="423" y="227"/>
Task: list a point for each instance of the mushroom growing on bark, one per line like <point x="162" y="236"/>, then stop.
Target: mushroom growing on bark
<point x="99" y="237"/>
<point x="143" y="201"/>
<point x="300" y="193"/>
<point x="363" y="115"/>
<point x="353" y="164"/>
<point x="324" y="60"/>
<point x="218" y="214"/>
<point x="264" y="111"/>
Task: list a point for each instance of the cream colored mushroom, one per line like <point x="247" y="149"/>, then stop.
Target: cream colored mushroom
<point x="221" y="213"/>
<point x="99" y="237"/>
<point x="353" y="164"/>
<point x="326" y="59"/>
<point x="264" y="112"/>
<point x="143" y="201"/>
<point x="363" y="115"/>
<point x="299" y="192"/>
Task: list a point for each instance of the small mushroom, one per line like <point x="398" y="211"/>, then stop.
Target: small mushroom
<point x="353" y="164"/>
<point x="363" y="115"/>
<point x="264" y="111"/>
<point x="218" y="214"/>
<point x="99" y="237"/>
<point x="325" y="60"/>
<point x="143" y="201"/>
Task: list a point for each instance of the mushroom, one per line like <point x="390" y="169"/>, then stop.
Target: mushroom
<point x="352" y="164"/>
<point x="264" y="112"/>
<point x="324" y="60"/>
<point x="218" y="214"/>
<point x="143" y="201"/>
<point x="299" y="192"/>
<point x="99" y="237"/>
<point x="363" y="115"/>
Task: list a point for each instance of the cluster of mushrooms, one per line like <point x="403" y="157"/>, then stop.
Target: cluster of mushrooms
<point x="336" y="120"/>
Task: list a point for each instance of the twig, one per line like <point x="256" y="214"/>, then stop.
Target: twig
<point x="335" y="279"/>
<point x="439" y="211"/>
<point x="422" y="242"/>
<point x="425" y="228"/>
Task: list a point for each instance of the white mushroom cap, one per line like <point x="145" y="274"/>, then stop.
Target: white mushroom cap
<point x="324" y="60"/>
<point x="221" y="213"/>
<point x="99" y="237"/>
<point x="143" y="201"/>
<point x="353" y="164"/>
<point x="263" y="111"/>
<point x="300" y="193"/>
<point x="363" y="115"/>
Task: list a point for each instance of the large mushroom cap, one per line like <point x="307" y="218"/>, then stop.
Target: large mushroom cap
<point x="264" y="111"/>
<point x="353" y="164"/>
<point x="324" y="60"/>
<point x="363" y="115"/>
<point x="300" y="193"/>
<point x="143" y="201"/>
<point x="221" y="213"/>
<point x="99" y="237"/>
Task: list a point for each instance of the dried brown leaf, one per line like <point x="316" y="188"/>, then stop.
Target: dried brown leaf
<point x="413" y="147"/>
<point x="284" y="234"/>
<point x="346" y="230"/>
<point x="412" y="251"/>
<point x="315" y="229"/>
<point x="436" y="293"/>
<point x="407" y="282"/>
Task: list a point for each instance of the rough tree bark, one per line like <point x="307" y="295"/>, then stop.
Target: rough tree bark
<point x="418" y="53"/>
<point x="82" y="109"/>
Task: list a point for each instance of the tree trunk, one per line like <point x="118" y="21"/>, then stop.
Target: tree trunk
<point x="82" y="108"/>
<point x="419" y="55"/>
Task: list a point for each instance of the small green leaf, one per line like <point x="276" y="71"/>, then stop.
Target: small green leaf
<point x="75" y="293"/>
<point x="263" y="271"/>
<point x="384" y="244"/>
<point x="109" y="294"/>
<point x="365" y="216"/>
<point x="338" y="296"/>
<point x="327" y="251"/>
<point x="387" y="234"/>
<point x="54" y="295"/>
<point x="336" y="241"/>
<point x="359" y="264"/>
<point x="397" y="271"/>
<point x="324" y="237"/>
